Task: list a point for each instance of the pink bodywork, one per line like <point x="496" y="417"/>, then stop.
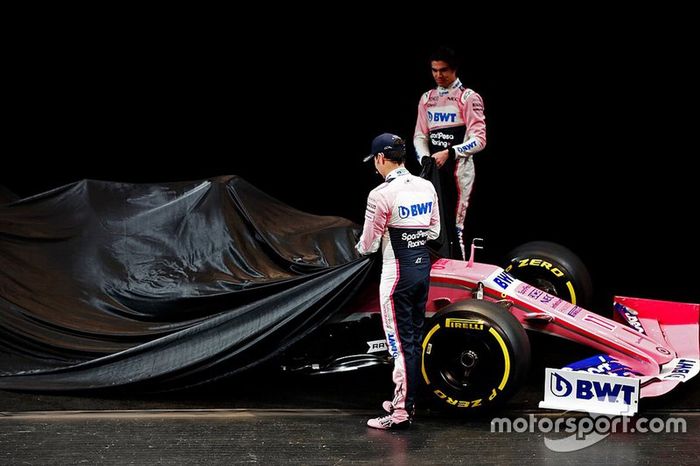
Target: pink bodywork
<point x="670" y="328"/>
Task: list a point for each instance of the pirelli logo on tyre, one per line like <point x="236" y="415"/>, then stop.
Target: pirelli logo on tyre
<point x="466" y="324"/>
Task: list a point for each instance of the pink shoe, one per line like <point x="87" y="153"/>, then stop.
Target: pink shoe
<point x="390" y="422"/>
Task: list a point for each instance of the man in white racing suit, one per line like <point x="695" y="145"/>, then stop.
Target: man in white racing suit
<point x="402" y="215"/>
<point x="451" y="128"/>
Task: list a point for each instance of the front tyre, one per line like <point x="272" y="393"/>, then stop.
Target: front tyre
<point x="475" y="356"/>
<point x="553" y="269"/>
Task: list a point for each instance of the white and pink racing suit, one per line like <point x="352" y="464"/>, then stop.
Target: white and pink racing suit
<point x="452" y="117"/>
<point x="402" y="213"/>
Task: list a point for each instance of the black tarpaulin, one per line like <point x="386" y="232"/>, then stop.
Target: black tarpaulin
<point x="447" y="243"/>
<point x="105" y="284"/>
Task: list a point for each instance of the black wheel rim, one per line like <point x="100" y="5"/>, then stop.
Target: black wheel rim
<point x="466" y="362"/>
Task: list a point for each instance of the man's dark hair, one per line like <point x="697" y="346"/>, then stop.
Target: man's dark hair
<point x="447" y="55"/>
<point x="397" y="151"/>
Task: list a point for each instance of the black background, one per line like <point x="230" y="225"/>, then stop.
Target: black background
<point x="590" y="128"/>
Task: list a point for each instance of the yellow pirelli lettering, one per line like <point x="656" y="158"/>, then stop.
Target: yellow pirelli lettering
<point x="466" y="324"/>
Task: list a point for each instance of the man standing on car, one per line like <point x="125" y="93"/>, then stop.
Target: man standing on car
<point x="450" y="128"/>
<point x="402" y="214"/>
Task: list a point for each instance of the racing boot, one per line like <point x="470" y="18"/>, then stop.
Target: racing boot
<point x="397" y="420"/>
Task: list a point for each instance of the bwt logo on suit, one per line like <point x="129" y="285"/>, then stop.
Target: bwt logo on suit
<point x="415" y="209"/>
<point x="442" y="116"/>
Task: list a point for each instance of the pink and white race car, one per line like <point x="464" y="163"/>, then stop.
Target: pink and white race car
<point x="476" y="351"/>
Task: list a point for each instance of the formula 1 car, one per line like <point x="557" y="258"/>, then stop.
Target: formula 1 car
<point x="476" y="352"/>
<point x="167" y="286"/>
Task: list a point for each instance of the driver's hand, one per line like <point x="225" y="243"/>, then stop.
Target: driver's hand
<point x="441" y="157"/>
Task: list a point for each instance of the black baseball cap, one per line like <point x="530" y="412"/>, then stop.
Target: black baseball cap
<point x="391" y="145"/>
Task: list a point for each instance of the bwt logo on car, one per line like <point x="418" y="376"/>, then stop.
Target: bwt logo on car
<point x="415" y="209"/>
<point x="682" y="369"/>
<point x="503" y="280"/>
<point x="630" y="315"/>
<point x="442" y="117"/>
<point x="587" y="390"/>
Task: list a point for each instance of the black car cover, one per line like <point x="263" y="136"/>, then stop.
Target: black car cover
<point x="447" y="243"/>
<point x="106" y="284"/>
